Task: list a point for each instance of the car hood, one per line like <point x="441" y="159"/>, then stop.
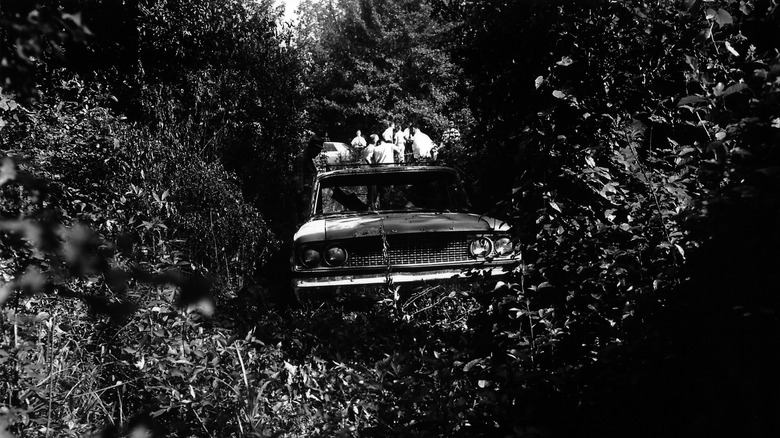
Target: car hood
<point x="340" y="227"/>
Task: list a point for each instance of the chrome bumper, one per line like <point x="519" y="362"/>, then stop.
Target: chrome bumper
<point x="403" y="276"/>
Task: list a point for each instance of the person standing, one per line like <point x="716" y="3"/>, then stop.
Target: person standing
<point x="385" y="152"/>
<point x="401" y="136"/>
<point x="422" y="145"/>
<point x="358" y="141"/>
<point x="357" y="145"/>
<point x="387" y="135"/>
<point x="304" y="171"/>
<point x="367" y="155"/>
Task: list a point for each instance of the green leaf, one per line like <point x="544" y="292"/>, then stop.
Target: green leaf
<point x="723" y="18"/>
<point x="736" y="88"/>
<point x="693" y="62"/>
<point x="693" y="100"/>
<point x="159" y="412"/>
<point x="471" y="364"/>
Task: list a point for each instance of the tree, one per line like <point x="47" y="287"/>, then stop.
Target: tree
<point x="377" y="60"/>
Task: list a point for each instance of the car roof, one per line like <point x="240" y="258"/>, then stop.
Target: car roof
<point x="385" y="169"/>
<point x="336" y="145"/>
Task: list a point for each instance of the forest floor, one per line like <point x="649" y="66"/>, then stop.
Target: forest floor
<point x="363" y="363"/>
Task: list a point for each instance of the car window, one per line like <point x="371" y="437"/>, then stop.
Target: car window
<point x="343" y="198"/>
<point x="329" y="147"/>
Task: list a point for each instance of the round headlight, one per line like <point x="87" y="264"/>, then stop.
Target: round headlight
<point x="310" y="258"/>
<point x="504" y="246"/>
<point x="335" y="256"/>
<point x="481" y="247"/>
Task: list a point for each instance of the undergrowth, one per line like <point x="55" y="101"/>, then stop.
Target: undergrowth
<point x="345" y="367"/>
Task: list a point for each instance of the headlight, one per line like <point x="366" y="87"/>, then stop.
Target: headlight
<point x="504" y="246"/>
<point x="310" y="258"/>
<point x="481" y="247"/>
<point x="335" y="256"/>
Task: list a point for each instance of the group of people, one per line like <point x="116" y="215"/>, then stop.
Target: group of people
<point x="394" y="146"/>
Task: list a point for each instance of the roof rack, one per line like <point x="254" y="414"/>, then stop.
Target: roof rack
<point x="409" y="161"/>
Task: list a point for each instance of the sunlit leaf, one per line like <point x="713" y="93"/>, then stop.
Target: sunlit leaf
<point x="471" y="365"/>
<point x="292" y="369"/>
<point x="692" y="62"/>
<point x="736" y="88"/>
<point x="731" y="49"/>
<point x="7" y="171"/>
<point x="680" y="250"/>
<point x="723" y="18"/>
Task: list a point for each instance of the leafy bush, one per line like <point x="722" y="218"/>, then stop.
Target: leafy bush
<point x="120" y="181"/>
<point x="626" y="125"/>
<point x="638" y="165"/>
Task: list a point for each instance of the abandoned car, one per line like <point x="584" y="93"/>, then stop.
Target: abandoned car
<point x="394" y="225"/>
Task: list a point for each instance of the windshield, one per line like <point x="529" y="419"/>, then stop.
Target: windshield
<point x="330" y="146"/>
<point x="393" y="191"/>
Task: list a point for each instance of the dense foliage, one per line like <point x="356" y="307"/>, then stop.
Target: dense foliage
<point x="639" y="137"/>
<point x="145" y="200"/>
<point x="374" y="61"/>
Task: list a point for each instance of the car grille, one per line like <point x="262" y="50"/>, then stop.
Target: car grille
<point x="410" y="250"/>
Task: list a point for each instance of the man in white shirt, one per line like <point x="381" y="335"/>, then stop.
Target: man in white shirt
<point x="400" y="142"/>
<point x="384" y="153"/>
<point x="422" y="145"/>
<point x="358" y="142"/>
<point x="367" y="155"/>
<point x="387" y="135"/>
<point x="401" y="136"/>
